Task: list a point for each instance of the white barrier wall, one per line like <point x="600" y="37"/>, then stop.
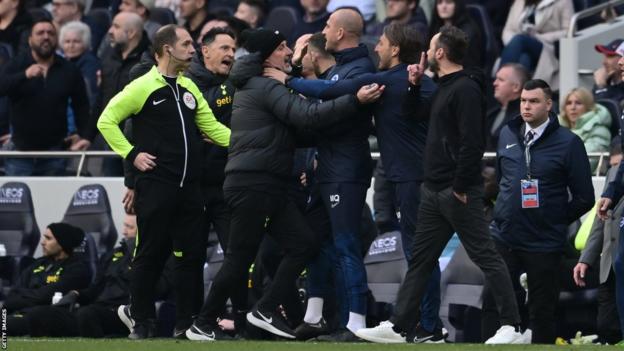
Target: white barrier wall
<point x="51" y="196"/>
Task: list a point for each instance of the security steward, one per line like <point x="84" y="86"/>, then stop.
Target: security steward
<point x="168" y="113"/>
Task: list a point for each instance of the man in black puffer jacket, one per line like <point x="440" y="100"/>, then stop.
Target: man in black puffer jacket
<point x="265" y="117"/>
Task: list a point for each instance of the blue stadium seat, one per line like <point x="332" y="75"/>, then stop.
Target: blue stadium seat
<point x="38" y="13"/>
<point x="283" y="19"/>
<point x="616" y="111"/>
<point x="385" y="266"/>
<point x="163" y="15"/>
<point x="492" y="49"/>
<point x="101" y="17"/>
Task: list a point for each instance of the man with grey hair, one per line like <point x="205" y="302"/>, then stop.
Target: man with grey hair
<point x="65" y="11"/>
<point x="507" y="88"/>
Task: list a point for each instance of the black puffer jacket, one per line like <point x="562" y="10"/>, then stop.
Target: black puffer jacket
<point x="265" y="116"/>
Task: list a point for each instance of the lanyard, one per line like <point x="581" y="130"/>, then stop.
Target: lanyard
<point x="527" y="151"/>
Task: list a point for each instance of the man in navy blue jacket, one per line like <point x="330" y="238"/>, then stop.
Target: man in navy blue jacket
<point x="401" y="138"/>
<point x="343" y="174"/>
<point x="545" y="185"/>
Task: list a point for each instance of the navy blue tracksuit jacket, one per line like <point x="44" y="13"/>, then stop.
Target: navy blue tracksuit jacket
<point x="559" y="162"/>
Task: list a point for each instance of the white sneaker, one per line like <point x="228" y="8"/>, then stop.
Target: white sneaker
<point x="383" y="334"/>
<point x="506" y="335"/>
<point x="527" y="336"/>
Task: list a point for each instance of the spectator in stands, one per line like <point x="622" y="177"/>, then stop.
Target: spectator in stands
<point x="173" y="5"/>
<point x="402" y="11"/>
<point x="454" y="13"/>
<point x="257" y="177"/>
<point x="39" y="85"/>
<point x="507" y="88"/>
<point x="15" y="22"/>
<point x="590" y="121"/>
<point x="217" y="22"/>
<point x="366" y="8"/>
<point x="497" y="11"/>
<point x="142" y="8"/>
<point x="58" y="270"/>
<point x="533" y="209"/>
<point x="129" y="42"/>
<point x="313" y="19"/>
<point x="607" y="79"/>
<point x="195" y="15"/>
<point x="65" y="11"/>
<point x="252" y="12"/>
<point x="166" y="154"/>
<point x="75" y="39"/>
<point x="97" y="315"/>
<point x="599" y="253"/>
<point x="452" y="192"/>
<point x="531" y="31"/>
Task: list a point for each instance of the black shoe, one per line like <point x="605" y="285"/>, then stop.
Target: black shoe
<point x="180" y="334"/>
<point x="341" y="335"/>
<point x="123" y="312"/>
<point x="206" y="333"/>
<point x="273" y="322"/>
<point x="143" y="330"/>
<point x="421" y="336"/>
<point x="307" y="331"/>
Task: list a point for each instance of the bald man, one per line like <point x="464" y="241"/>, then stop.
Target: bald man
<point x="344" y="172"/>
<point x="128" y="41"/>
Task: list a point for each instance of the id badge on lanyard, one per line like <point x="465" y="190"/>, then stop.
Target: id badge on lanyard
<point x="529" y="188"/>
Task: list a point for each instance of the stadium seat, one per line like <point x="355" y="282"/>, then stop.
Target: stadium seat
<point x="19" y="232"/>
<point x="616" y="111"/>
<point x="88" y="249"/>
<point x="89" y="209"/>
<point x="221" y="10"/>
<point x="492" y="49"/>
<point x="461" y="284"/>
<point x="283" y="19"/>
<point x="163" y="15"/>
<point x="101" y="17"/>
<point x="385" y="266"/>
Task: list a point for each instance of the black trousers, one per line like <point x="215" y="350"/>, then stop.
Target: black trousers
<point x="254" y="212"/>
<point x="90" y="321"/>
<point x="439" y="216"/>
<point x="169" y="220"/>
<point x="543" y="278"/>
<point x="608" y="319"/>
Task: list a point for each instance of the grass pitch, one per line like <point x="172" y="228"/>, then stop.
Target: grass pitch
<point x="75" y="344"/>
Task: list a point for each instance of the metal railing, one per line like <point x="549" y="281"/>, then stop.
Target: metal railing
<point x="84" y="155"/>
<point x="590" y="12"/>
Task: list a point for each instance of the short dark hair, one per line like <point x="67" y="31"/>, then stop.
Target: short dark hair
<point x="211" y="35"/>
<point x="407" y="39"/>
<point x="166" y="35"/>
<point x="454" y="42"/>
<point x="317" y="41"/>
<point x="41" y="20"/>
<point x="259" y="5"/>
<point x="538" y="84"/>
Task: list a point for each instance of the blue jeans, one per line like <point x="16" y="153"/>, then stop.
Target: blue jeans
<point x="408" y="199"/>
<point x="619" y="277"/>
<point x="344" y="203"/>
<point x="25" y="167"/>
<point x="523" y="49"/>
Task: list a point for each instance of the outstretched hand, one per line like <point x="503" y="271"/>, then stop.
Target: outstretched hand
<point x="370" y="93"/>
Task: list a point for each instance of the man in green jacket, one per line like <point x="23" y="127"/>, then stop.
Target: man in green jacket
<point x="168" y="113"/>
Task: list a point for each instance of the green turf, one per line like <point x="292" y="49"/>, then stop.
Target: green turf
<point x="171" y="345"/>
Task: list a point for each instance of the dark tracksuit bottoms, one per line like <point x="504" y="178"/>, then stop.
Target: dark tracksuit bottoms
<point x="256" y="210"/>
<point x="169" y="219"/>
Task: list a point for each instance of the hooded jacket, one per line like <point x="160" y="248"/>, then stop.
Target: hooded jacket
<point x="560" y="164"/>
<point x="265" y="117"/>
<point x="219" y="93"/>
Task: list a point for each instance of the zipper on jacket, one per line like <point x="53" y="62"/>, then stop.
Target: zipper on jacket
<point x="177" y="98"/>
